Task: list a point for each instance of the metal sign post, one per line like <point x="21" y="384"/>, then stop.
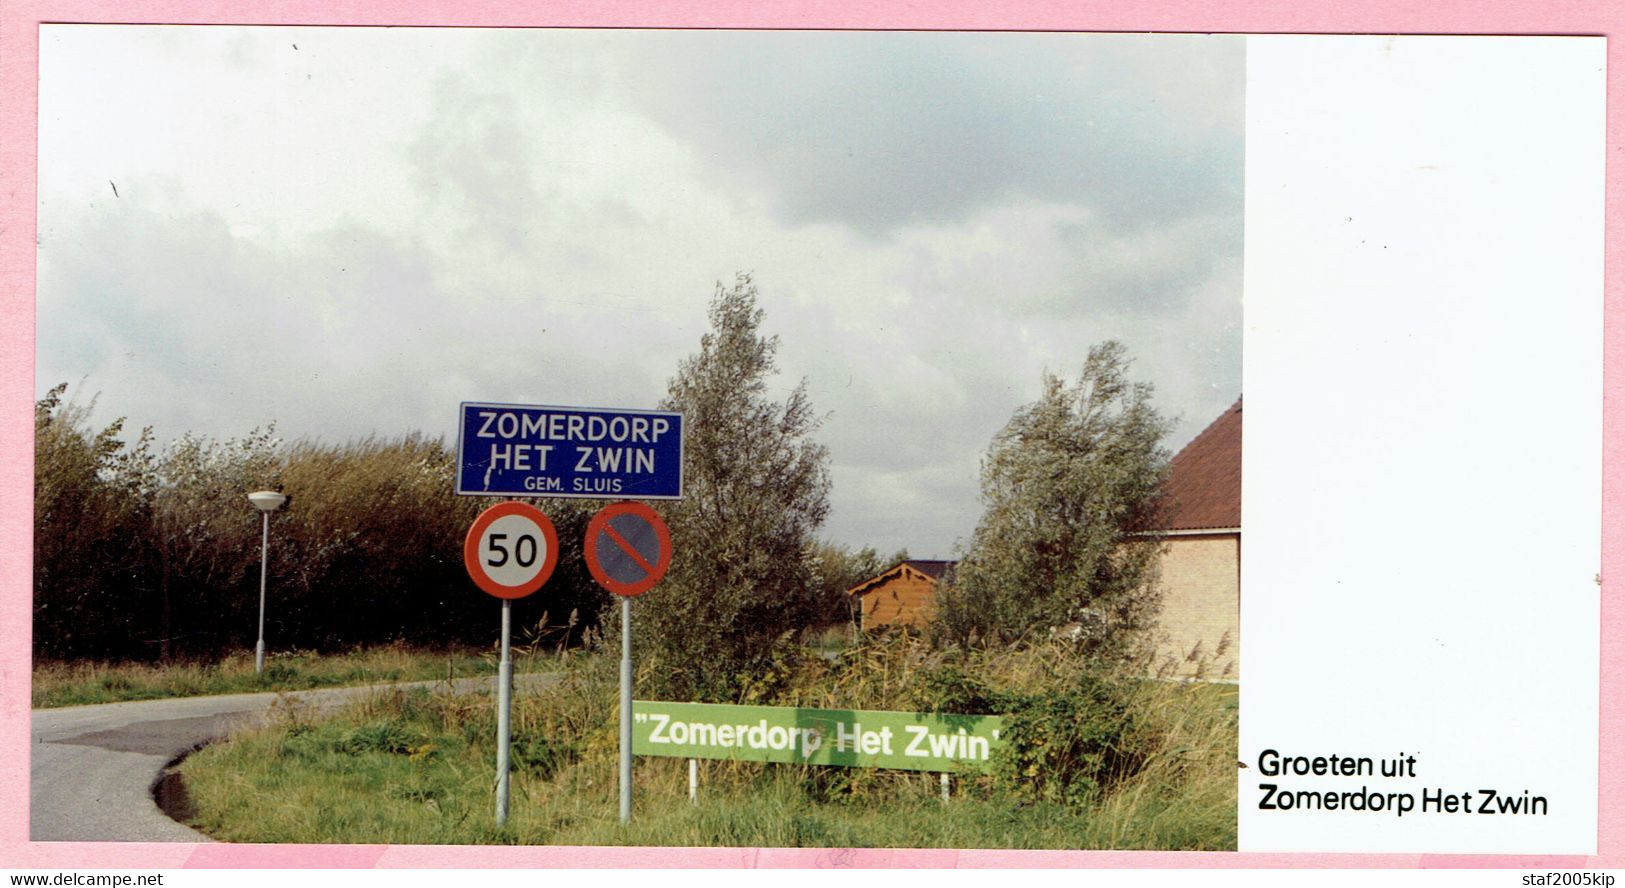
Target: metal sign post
<point x="587" y="452"/>
<point x="504" y="706"/>
<point x="625" y="772"/>
<point x="510" y="552"/>
<point x="628" y="550"/>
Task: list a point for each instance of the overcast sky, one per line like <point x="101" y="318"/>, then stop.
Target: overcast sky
<point x="348" y="231"/>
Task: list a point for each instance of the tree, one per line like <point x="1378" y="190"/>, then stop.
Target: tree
<point x="756" y="488"/>
<point x="204" y="537"/>
<point x="92" y="505"/>
<point x="1072" y="488"/>
<point x="140" y="554"/>
<point x="838" y="569"/>
<point x="371" y="551"/>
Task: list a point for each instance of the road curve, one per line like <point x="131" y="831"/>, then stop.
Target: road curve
<point x="93" y="769"/>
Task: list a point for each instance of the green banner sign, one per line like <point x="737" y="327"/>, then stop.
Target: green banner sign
<point x="853" y="738"/>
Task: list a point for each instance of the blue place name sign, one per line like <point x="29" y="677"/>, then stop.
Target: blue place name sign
<point x="523" y="450"/>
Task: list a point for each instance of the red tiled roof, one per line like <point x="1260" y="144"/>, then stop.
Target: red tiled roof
<point x="1204" y="487"/>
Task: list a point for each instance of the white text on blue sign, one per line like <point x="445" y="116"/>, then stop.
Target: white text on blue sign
<point x="519" y="450"/>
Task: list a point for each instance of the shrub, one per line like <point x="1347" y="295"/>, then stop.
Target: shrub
<point x="949" y="689"/>
<point x="538" y="756"/>
<point x="1066" y="746"/>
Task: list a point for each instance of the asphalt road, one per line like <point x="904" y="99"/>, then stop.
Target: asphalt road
<point x="94" y="769"/>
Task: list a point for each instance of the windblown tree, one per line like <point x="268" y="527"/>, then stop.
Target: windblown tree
<point x="204" y="536"/>
<point x="92" y="506"/>
<point x="756" y="489"/>
<point x="1068" y="541"/>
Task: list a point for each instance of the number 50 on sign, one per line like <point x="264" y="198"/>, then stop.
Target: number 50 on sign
<point x="511" y="550"/>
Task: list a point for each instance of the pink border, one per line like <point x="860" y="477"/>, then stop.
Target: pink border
<point x="19" y="20"/>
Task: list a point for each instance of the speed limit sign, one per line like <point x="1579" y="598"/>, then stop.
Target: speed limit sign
<point x="511" y="550"/>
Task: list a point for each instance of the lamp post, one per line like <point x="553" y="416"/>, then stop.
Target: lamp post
<point x="267" y="501"/>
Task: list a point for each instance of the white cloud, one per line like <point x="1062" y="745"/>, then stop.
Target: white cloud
<point x="354" y="235"/>
<point x="878" y="131"/>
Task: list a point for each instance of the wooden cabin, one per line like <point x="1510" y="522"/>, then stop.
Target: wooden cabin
<point x="901" y="596"/>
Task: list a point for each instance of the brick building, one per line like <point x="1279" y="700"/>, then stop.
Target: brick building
<point x="1200" y="627"/>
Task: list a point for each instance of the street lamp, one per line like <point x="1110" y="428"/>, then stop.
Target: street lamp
<point x="267" y="501"/>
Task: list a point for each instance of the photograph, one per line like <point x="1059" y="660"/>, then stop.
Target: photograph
<point x="711" y="438"/>
<point x="536" y="437"/>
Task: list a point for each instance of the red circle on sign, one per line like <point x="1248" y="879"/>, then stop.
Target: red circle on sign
<point x="628" y="548"/>
<point x="496" y="555"/>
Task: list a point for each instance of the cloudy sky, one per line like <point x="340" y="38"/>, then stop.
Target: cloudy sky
<point x="348" y="231"/>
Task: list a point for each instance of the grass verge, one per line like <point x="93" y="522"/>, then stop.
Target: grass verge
<point x="418" y="767"/>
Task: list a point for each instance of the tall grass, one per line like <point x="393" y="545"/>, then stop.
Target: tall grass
<point x="419" y="767"/>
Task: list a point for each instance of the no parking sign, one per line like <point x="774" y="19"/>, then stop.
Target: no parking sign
<point x="628" y="548"/>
